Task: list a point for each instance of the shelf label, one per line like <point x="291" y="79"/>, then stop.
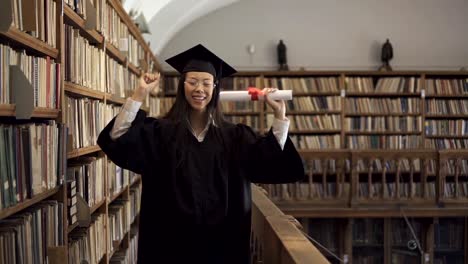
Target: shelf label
<point x="423" y="93"/>
<point x="343" y="93"/>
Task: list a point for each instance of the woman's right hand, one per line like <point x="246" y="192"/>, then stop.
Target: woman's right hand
<point x="148" y="83"/>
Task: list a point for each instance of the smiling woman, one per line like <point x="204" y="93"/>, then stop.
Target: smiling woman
<point x="197" y="167"/>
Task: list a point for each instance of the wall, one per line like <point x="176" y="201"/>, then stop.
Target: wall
<point x="333" y="34"/>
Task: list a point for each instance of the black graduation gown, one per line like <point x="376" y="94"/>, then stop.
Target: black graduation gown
<point x="196" y="198"/>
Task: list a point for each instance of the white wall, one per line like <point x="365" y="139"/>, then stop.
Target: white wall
<point x="333" y="34"/>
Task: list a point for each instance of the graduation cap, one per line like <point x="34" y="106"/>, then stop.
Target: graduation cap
<point x="199" y="58"/>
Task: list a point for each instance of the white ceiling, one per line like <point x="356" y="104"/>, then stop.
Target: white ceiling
<point x="167" y="17"/>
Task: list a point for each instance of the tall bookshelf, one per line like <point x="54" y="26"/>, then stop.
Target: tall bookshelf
<point x="84" y="59"/>
<point x="366" y="139"/>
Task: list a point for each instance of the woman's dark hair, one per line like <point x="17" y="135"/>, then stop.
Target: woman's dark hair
<point x="181" y="108"/>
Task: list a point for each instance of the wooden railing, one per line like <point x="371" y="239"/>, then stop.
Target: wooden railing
<point x="276" y="237"/>
<point x="377" y="179"/>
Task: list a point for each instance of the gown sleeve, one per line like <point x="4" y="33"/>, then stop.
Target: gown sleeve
<point x="263" y="159"/>
<point x="130" y="150"/>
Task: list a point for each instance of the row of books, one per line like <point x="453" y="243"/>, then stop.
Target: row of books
<point x="365" y="259"/>
<point x="446" y="107"/>
<point x="316" y="142"/>
<point x="119" y="222"/>
<point x="117" y="178"/>
<point x="165" y="104"/>
<point x="85" y="118"/>
<point x="318" y="122"/>
<point x="25" y="237"/>
<point x="84" y="63"/>
<point x="388" y="105"/>
<point x="135" y="202"/>
<point x="117" y="77"/>
<point x="32" y="158"/>
<point x="42" y="73"/>
<point x="252" y="121"/>
<point x="383" y="142"/>
<point x="316" y="103"/>
<point x="447" y="86"/>
<point x="401" y="190"/>
<point x="447" y="127"/>
<point x="305" y="84"/>
<point x="114" y="29"/>
<point x="383" y="123"/>
<point x="88" y="174"/>
<point x="88" y="244"/>
<point x="454" y="166"/>
<point x="127" y="256"/>
<point x="383" y="85"/>
<point x="368" y="231"/>
<point x="135" y="52"/>
<point x="36" y="17"/>
<point x="446" y="143"/>
<point x="246" y="106"/>
<point x="451" y="189"/>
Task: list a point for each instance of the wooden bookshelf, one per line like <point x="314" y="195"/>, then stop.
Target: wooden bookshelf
<point x="30" y="43"/>
<point x="110" y="98"/>
<point x="134" y="69"/>
<point x="38" y="112"/>
<point x="383" y="132"/>
<point x="376" y="94"/>
<point x="82" y="151"/>
<point x="74" y="19"/>
<point x="115" y="53"/>
<point x="83" y="91"/>
<point x="117" y="195"/>
<point x="381" y="114"/>
<point x="6" y="212"/>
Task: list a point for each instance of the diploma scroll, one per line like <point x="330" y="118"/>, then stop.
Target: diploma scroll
<point x="254" y="94"/>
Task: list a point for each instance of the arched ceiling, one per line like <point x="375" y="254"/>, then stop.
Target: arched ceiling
<point x="167" y="17"/>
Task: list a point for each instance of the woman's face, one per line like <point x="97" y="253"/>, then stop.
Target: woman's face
<point x="199" y="88"/>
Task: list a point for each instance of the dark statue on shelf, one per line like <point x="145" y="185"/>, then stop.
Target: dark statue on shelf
<point x="386" y="56"/>
<point x="282" y="60"/>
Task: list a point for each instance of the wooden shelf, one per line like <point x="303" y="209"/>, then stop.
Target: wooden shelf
<point x="316" y="93"/>
<point x="447" y="136"/>
<point x="447" y="116"/>
<point x="72" y="227"/>
<point x="82" y="151"/>
<point x="135" y="180"/>
<point x="110" y="98"/>
<point x="454" y="96"/>
<point x="6" y="212"/>
<point x="134" y="30"/>
<point x="314" y="131"/>
<point x="83" y="91"/>
<point x="74" y="19"/>
<point x="7" y="110"/>
<point x="389" y="94"/>
<point x="97" y="206"/>
<point x="298" y="209"/>
<point x="115" y="196"/>
<point x="382" y="114"/>
<point x="117" y="244"/>
<point x="134" y="69"/>
<point x="39" y="112"/>
<point x="30" y="43"/>
<point x="383" y="133"/>
<point x="115" y="53"/>
<point x="241" y="113"/>
<point x="303" y="112"/>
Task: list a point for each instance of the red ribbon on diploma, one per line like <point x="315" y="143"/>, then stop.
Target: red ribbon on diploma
<point x="254" y="93"/>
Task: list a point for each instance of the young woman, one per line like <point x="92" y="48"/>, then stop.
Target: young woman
<point x="196" y="167"/>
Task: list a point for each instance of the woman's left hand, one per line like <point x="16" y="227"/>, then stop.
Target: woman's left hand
<point x="278" y="106"/>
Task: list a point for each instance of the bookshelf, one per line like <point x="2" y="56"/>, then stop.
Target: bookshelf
<point x="75" y="58"/>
